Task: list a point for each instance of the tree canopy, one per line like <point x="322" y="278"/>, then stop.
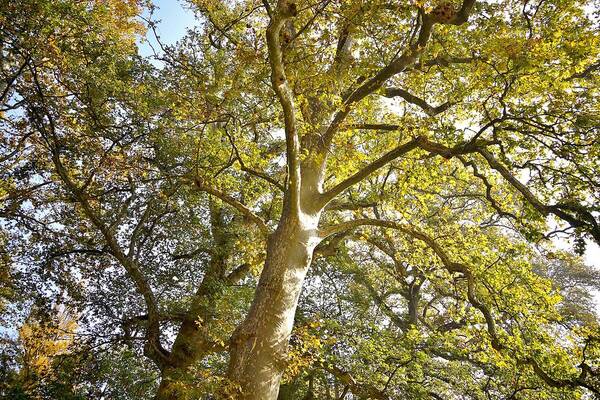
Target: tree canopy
<point x="300" y="199"/>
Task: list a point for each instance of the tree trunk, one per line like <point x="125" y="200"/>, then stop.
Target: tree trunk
<point x="259" y="345"/>
<point x="191" y="345"/>
<point x="193" y="342"/>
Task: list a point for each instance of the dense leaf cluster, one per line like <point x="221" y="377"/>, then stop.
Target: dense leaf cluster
<point x="438" y="148"/>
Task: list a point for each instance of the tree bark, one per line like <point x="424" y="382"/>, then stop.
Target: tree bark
<point x="193" y="342"/>
<point x="258" y="348"/>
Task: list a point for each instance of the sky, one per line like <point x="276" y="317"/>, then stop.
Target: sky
<point x="175" y="19"/>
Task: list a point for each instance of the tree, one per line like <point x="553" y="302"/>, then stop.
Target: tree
<point x="40" y="345"/>
<point x="420" y="155"/>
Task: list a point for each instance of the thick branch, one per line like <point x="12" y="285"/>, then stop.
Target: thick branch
<point x="343" y="52"/>
<point x="444" y="61"/>
<point x="398" y="65"/>
<point x="361" y="389"/>
<point x="238" y="273"/>
<point x="462" y="15"/>
<point x="135" y="235"/>
<point x="429" y="109"/>
<point x="369" y="169"/>
<point x="284" y="11"/>
<point x="244" y="210"/>
<point x="418" y="142"/>
<point x="349" y="205"/>
<point x="587" y="219"/>
<point x="586" y="72"/>
<point x="10" y="81"/>
<point x="559" y="383"/>
<point x="376" y="127"/>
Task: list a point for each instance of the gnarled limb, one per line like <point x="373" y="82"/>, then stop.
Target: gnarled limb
<point x="406" y="95"/>
<point x="582" y="218"/>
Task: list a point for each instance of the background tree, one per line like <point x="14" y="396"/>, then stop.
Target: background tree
<point x="418" y="156"/>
